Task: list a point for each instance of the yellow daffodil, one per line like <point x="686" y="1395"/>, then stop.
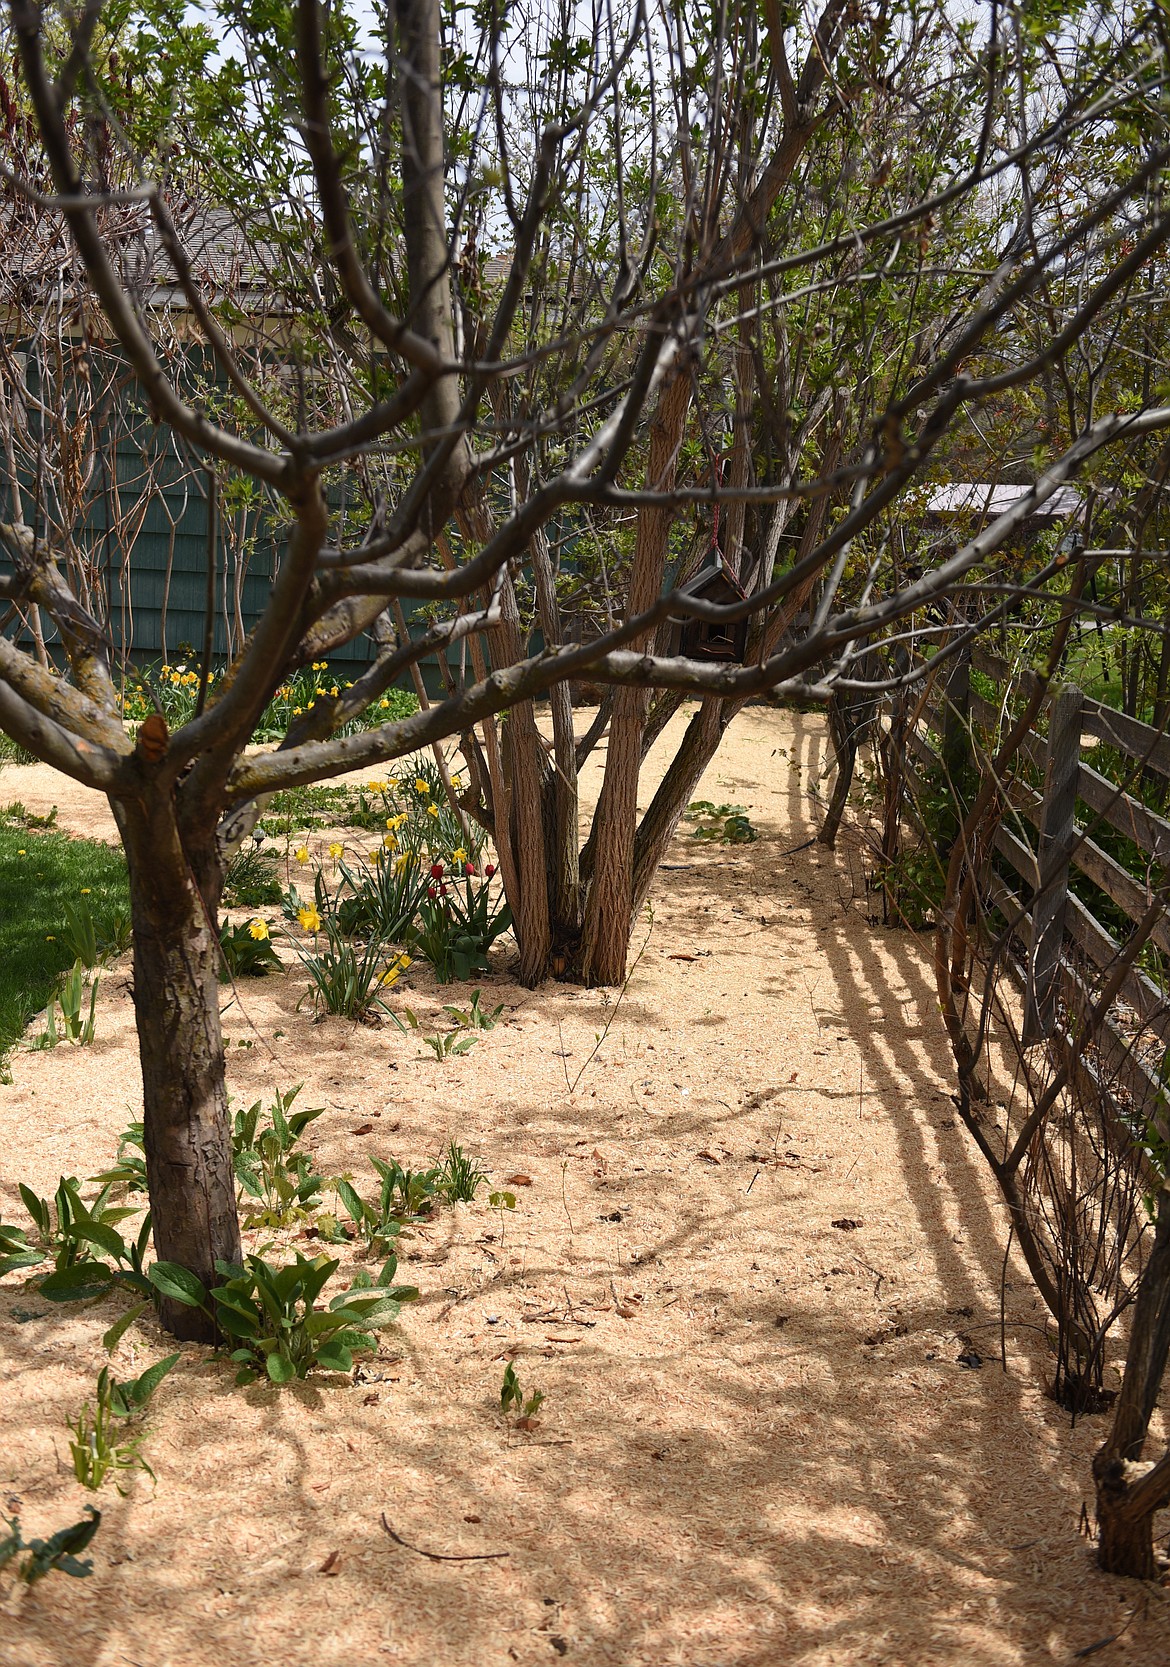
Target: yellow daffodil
<point x="432" y="810"/>
<point x="391" y="975"/>
<point x="459" y="856"/>
<point x="375" y="787"/>
<point x="85" y="891"/>
<point x="296" y="711"/>
<point x="335" y="850"/>
<point x="389" y="841"/>
<point x="385" y="705"/>
<point x="333" y="690"/>
<point x="392" y="783"/>
<point x="403" y="961"/>
<point x="457" y="783"/>
<point x="421" y="786"/>
<point x="309" y="918"/>
<point x="404" y="862"/>
<point x="258" y="928"/>
<point x="302" y="853"/>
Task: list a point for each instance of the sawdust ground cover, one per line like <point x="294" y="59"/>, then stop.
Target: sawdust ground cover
<point x="755" y="1244"/>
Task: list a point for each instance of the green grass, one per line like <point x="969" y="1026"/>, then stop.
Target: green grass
<point x="39" y="874"/>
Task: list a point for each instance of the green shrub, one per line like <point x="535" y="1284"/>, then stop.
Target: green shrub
<point x="268" y="1167"/>
<point x="458" y="921"/>
<point x="272" y="1314"/>
<point x="59" y="1551"/>
<point x="246" y="950"/>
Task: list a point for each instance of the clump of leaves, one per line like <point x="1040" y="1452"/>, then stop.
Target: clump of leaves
<point x="250" y="878"/>
<point x="90" y="940"/>
<point x="76" y="1025"/>
<point x="272" y="1313"/>
<point x="346" y="977"/>
<point x="474" y="1017"/>
<point x="267" y="1165"/>
<point x="411" y="1192"/>
<point x="458" y="1176"/>
<point x="129" y="1168"/>
<point x="444" y="1044"/>
<point x="97" y="1451"/>
<point x="457" y="924"/>
<point x="246" y="950"/>
<point x="379" y="901"/>
<point x="514" y="1401"/>
<point x="376" y="1223"/>
<point x="59" y="1551"/>
<point x="70" y="1232"/>
<point x="724" y="824"/>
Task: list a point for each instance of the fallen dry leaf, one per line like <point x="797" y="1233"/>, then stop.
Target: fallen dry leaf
<point x="710" y="1156"/>
<point x="366" y="1128"/>
<point x="846" y="1224"/>
<point x="517" y="1180"/>
<point x="332" y="1564"/>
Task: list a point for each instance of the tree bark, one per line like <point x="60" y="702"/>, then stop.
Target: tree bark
<point x="1125" y="1508"/>
<point x="561" y="793"/>
<point x="180" y="1046"/>
<point x="656" y="829"/>
<point x="609" y="908"/>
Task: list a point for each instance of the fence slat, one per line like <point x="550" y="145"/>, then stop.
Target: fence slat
<point x="1056" y="838"/>
<point x="1125" y="813"/>
<point x="1098" y="866"/>
<point x="1138" y="740"/>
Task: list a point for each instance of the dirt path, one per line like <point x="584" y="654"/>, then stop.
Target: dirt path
<point x="754" y="1247"/>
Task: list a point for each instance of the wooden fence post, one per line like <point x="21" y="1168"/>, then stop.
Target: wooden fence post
<point x="1057" y="832"/>
<point x="956" y="717"/>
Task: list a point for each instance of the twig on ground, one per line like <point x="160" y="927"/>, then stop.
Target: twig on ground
<point x="441" y="1556"/>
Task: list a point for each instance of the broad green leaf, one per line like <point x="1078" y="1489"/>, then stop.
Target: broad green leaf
<point x="352" y="1202"/>
<point x="334" y="1356"/>
<point x="178" y="1283"/>
<point x="76" y="1284"/>
<point x="37" y="1208"/>
<point x="280" y="1368"/>
<point x="118" y="1330"/>
<point x="147" y="1382"/>
<point x="105" y="1237"/>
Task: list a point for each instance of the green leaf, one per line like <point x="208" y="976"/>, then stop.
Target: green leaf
<point x="334" y="1356"/>
<point x="118" y="1330"/>
<point x="22" y="1259"/>
<point x="178" y="1283"/>
<point x="105" y="1237"/>
<point x="352" y="1202"/>
<point x="280" y="1368"/>
<point x="147" y="1382"/>
<point x="76" y="1284"/>
<point x="37" y="1208"/>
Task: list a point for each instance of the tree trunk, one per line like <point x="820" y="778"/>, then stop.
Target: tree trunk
<point x="609" y="909"/>
<point x="1126" y="1542"/>
<point x="561" y="793"/>
<point x="180" y="1045"/>
<point x="1125" y="1508"/>
<point x="656" y="830"/>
